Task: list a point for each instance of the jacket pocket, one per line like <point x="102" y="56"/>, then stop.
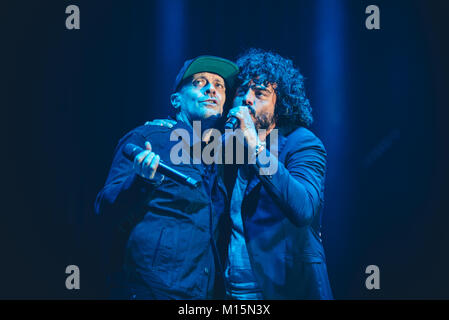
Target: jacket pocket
<point x="165" y="259"/>
<point x="309" y="258"/>
<point x="156" y="249"/>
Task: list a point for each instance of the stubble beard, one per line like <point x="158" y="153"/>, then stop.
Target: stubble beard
<point x="264" y="121"/>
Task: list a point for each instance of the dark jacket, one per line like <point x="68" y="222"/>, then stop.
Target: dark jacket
<point x="281" y="215"/>
<point x="162" y="236"/>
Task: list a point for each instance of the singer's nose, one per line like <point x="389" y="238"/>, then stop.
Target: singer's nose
<point x="248" y="98"/>
<point x="210" y="89"/>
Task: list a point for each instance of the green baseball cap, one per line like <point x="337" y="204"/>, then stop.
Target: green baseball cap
<point x="227" y="69"/>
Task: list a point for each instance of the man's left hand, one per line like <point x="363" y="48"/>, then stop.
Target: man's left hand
<point x="168" y="123"/>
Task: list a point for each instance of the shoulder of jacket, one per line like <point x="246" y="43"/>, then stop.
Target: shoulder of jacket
<point x="303" y="137"/>
<point x="150" y="130"/>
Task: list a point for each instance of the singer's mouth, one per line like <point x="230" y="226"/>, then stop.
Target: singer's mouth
<point x="210" y="101"/>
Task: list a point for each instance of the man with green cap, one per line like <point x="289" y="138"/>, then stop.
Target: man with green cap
<point x="162" y="234"/>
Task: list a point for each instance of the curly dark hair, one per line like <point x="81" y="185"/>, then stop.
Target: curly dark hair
<point x="292" y="106"/>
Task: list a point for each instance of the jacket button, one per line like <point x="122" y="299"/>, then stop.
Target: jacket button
<point x="206" y="270"/>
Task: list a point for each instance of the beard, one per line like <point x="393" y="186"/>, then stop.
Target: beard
<point x="264" y="121"/>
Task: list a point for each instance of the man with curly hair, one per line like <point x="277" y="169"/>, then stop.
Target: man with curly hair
<point x="275" y="249"/>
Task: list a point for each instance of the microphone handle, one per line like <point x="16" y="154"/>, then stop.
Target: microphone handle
<point x="232" y="123"/>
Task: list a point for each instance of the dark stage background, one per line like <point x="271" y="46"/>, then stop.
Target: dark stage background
<point x="380" y="105"/>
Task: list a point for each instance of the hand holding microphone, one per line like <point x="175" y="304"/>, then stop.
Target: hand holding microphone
<point x="146" y="163"/>
<point x="244" y="122"/>
<point x="238" y="114"/>
<point x="232" y="123"/>
<point x="240" y="117"/>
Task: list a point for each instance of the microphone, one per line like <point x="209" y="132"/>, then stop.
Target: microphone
<point x="232" y="123"/>
<point x="130" y="151"/>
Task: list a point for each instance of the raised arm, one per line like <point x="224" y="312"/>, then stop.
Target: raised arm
<point x="298" y="183"/>
<point x="129" y="185"/>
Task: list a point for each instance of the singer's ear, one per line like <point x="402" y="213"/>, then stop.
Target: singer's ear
<point x="175" y="100"/>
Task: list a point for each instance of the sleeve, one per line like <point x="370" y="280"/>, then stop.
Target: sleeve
<point x="297" y="185"/>
<point x="125" y="193"/>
